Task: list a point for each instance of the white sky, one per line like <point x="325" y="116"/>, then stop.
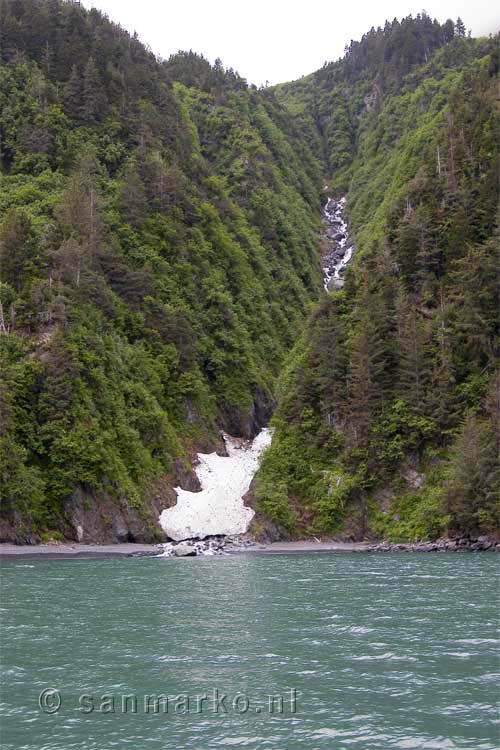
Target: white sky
<point x="277" y="40"/>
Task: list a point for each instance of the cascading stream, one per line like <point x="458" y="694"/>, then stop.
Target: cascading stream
<point x="338" y="249"/>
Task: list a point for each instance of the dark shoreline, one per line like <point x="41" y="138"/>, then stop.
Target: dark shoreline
<point x="102" y="551"/>
<point x="105" y="551"/>
<point x="75" y="551"/>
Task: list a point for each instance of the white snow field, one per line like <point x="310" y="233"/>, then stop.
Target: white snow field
<point x="218" y="508"/>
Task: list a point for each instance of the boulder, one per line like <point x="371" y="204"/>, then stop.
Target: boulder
<point x="413" y="478"/>
<point x="335" y="284"/>
<point x="184" y="550"/>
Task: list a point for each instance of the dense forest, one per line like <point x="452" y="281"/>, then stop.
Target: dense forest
<point x="161" y="280"/>
<point x="388" y="421"/>
<point x="158" y="253"/>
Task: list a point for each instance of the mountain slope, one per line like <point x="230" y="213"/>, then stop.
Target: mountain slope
<point x="388" y="415"/>
<point x="158" y="254"/>
<point x="159" y="258"/>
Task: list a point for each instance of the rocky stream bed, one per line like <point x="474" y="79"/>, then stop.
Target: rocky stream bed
<point x="338" y="249"/>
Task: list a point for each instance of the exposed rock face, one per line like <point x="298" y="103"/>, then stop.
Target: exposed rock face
<point x="247" y="424"/>
<point x="91" y="518"/>
<point x="372" y="100"/>
<point x="99" y="518"/>
<point x="18" y="530"/>
<point x="102" y="519"/>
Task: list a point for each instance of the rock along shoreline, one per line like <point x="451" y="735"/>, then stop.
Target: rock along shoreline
<point x="234" y="546"/>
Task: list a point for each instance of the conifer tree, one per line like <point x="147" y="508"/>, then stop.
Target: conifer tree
<point x="71" y="258"/>
<point x="442" y="396"/>
<point x="448" y="30"/>
<point x="472" y="493"/>
<point x="94" y="99"/>
<point x="414" y="364"/>
<point x="492" y="407"/>
<point x="365" y="385"/>
<point x="18" y="248"/>
<point x="329" y="360"/>
<point x="460" y="28"/>
<point x="133" y="196"/>
<point x="476" y="293"/>
<point x="79" y="211"/>
<point x="73" y="97"/>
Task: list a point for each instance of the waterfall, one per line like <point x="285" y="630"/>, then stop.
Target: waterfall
<point x="338" y="248"/>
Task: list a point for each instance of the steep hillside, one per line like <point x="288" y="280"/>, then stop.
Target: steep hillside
<point x="158" y="254"/>
<point x="331" y="103"/>
<point x="159" y="250"/>
<point x="388" y="415"/>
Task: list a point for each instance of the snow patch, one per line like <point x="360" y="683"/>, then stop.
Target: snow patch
<point x="218" y="508"/>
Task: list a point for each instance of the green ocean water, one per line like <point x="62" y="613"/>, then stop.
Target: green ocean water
<point x="367" y="652"/>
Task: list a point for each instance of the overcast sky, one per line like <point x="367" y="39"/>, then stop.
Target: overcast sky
<point x="277" y="40"/>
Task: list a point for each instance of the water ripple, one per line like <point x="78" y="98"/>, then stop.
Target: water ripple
<point x="384" y="652"/>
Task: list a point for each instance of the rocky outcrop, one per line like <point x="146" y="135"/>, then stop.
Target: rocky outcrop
<point x="248" y="423"/>
<point x="461" y="544"/>
<point x="17" y="529"/>
<point x="100" y="519"/>
<point x="91" y="517"/>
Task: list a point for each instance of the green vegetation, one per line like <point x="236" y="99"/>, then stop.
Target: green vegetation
<point x="159" y="256"/>
<point x="388" y="415"/>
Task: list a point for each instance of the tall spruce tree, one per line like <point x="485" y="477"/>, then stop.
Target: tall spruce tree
<point x="94" y="104"/>
<point x="73" y="96"/>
